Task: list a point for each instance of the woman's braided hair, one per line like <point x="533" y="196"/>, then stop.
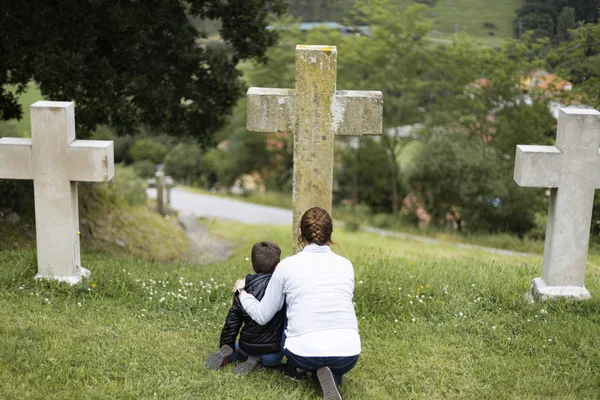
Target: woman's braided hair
<point x="316" y="227"/>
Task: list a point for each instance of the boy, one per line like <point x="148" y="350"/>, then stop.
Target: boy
<point x="258" y="344"/>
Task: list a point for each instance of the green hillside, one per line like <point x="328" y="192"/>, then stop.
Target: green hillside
<point x="469" y="15"/>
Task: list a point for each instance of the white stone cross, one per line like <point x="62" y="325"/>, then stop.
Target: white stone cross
<point x="314" y="113"/>
<point x="572" y="170"/>
<point x="56" y="162"/>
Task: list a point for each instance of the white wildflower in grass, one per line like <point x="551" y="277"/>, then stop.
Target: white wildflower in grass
<point x="528" y="320"/>
<point x="247" y="259"/>
<point x="396" y="321"/>
<point x="399" y="288"/>
<point x="413" y="320"/>
<point x="535" y="315"/>
<point x="542" y="311"/>
<point x="79" y="304"/>
<point x="550" y="340"/>
<point x="47" y="300"/>
<point x="360" y="282"/>
<point x="508" y="338"/>
<point x="494" y="327"/>
<point x="472" y="285"/>
<point x="460" y="314"/>
<point x="445" y="289"/>
<point x="420" y="301"/>
<point x="410" y="302"/>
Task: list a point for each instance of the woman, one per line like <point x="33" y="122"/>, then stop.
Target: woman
<point x="317" y="286"/>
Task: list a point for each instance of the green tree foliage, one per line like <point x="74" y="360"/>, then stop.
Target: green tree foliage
<point x="578" y="61"/>
<point x="131" y="63"/>
<point x="566" y="21"/>
<point x="363" y="174"/>
<point x="553" y="18"/>
<point x="470" y="183"/>
<point x="147" y="150"/>
<point x="523" y="124"/>
<point x="183" y="162"/>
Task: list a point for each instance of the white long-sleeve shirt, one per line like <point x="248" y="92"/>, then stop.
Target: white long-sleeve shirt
<point x="318" y="286"/>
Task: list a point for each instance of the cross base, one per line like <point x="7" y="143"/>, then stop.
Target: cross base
<point x="72" y="280"/>
<point x="542" y="292"/>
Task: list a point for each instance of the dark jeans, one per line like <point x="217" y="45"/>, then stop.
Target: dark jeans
<point x="338" y="365"/>
<point x="266" y="360"/>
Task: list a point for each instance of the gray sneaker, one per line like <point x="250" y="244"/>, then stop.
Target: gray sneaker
<point x="327" y="382"/>
<point x="247" y="366"/>
<point x="216" y="360"/>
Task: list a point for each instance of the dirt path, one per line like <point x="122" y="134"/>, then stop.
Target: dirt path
<point x="204" y="248"/>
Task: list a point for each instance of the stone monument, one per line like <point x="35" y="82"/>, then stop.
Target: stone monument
<point x="55" y="161"/>
<point x="571" y="170"/>
<point x="314" y="112"/>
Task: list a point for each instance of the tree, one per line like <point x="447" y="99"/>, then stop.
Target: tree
<point x="147" y="150"/>
<point x="131" y="63"/>
<point x="183" y="162"/>
<point x="566" y="21"/>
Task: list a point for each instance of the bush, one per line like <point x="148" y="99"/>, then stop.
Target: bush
<point x="183" y="162"/>
<point x="144" y="168"/>
<point x="351" y="226"/>
<point x="147" y="149"/>
<point x="128" y="185"/>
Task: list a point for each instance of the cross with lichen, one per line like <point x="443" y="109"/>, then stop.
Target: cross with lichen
<point x="315" y="111"/>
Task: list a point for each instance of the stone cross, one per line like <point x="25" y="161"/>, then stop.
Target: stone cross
<point x="572" y="170"/>
<point x="169" y="184"/>
<point x="55" y="161"/>
<point x="314" y="112"/>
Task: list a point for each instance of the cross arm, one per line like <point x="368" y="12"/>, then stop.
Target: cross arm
<point x="538" y="166"/>
<point x="271" y="110"/>
<point x="16" y="158"/>
<point x="91" y="160"/>
<point x="357" y="112"/>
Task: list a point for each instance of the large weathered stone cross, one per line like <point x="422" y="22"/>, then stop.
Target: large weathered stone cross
<point x="314" y="113"/>
<point x="572" y="170"/>
<point x="56" y="162"/>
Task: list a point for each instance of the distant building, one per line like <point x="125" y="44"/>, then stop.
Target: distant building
<point x="550" y="83"/>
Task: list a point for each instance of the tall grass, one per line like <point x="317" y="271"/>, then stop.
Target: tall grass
<point x="435" y="321"/>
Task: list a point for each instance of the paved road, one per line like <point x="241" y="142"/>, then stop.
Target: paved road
<point x="202" y="205"/>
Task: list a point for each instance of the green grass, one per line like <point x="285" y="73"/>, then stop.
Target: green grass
<point x="473" y="335"/>
<point x="470" y="16"/>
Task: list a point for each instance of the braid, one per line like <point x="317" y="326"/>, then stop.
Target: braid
<point x="316" y="227"/>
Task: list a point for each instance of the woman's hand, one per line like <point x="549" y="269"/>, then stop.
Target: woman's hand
<point x="239" y="284"/>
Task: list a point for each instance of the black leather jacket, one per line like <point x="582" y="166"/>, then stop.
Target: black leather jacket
<point x="254" y="338"/>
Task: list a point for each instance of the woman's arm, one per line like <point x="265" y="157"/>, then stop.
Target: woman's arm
<point x="262" y="311"/>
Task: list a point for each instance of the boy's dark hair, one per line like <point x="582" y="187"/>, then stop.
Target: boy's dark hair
<point x="265" y="257"/>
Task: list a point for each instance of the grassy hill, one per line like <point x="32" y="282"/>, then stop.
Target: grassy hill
<point x="469" y="15"/>
<point x="436" y="322"/>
